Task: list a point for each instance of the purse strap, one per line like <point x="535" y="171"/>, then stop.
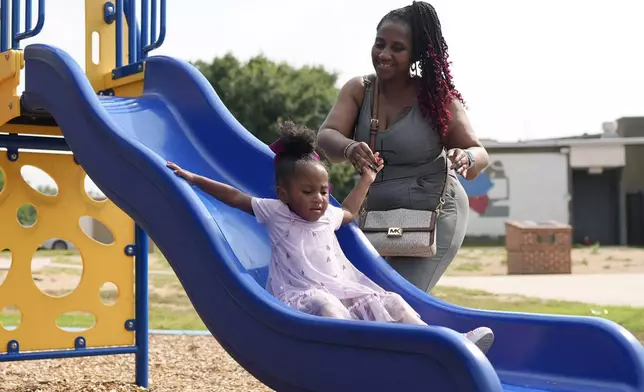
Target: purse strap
<point x="375" y="121"/>
<point x="373" y="135"/>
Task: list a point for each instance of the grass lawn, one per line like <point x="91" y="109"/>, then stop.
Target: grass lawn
<point x="629" y="317"/>
<point x="171" y="309"/>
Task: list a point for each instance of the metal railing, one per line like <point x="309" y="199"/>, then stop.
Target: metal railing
<point x="155" y="40"/>
<point x="145" y="40"/>
<point x="14" y="38"/>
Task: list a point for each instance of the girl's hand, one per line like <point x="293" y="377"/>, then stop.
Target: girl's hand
<point x="460" y="161"/>
<point x="186" y="175"/>
<point x="369" y="174"/>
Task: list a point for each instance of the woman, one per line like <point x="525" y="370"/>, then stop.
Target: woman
<point x="422" y="124"/>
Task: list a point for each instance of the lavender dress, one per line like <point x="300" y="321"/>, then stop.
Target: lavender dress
<point x="308" y="269"/>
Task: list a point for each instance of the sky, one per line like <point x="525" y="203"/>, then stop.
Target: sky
<point x="527" y="69"/>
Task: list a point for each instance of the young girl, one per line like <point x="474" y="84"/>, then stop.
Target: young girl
<point x="308" y="270"/>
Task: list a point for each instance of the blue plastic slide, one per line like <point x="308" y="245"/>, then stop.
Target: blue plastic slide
<point x="220" y="255"/>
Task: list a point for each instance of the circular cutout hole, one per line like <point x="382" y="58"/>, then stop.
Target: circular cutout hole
<point x="1" y="180"/>
<point x="39" y="180"/>
<point x="59" y="273"/>
<point x="10" y="317"/>
<point x="96" y="230"/>
<point x="5" y="264"/>
<point x="27" y="215"/>
<point x="76" y="321"/>
<point x="92" y="190"/>
<point x="109" y="293"/>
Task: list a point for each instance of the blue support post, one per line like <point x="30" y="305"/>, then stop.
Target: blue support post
<point x="141" y="306"/>
<point x="145" y="24"/>
<point x="28" y="11"/>
<point x="15" y="23"/>
<point x="119" y="33"/>
<point x="4" y="25"/>
<point x="133" y="49"/>
<point x="153" y="21"/>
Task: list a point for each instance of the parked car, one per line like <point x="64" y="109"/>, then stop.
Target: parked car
<point x="57" y="244"/>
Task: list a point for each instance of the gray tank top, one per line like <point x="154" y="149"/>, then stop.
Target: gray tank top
<point x="414" y="158"/>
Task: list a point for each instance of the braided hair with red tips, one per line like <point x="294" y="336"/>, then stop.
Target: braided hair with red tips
<point x="429" y="61"/>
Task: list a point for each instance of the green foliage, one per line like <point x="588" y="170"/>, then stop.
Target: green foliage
<point x="260" y="93"/>
<point x="342" y="179"/>
<point x="27" y="214"/>
<point x="48" y="190"/>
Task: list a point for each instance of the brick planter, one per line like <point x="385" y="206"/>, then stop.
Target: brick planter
<point x="538" y="248"/>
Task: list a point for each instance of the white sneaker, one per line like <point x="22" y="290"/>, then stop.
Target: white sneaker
<point x="483" y="337"/>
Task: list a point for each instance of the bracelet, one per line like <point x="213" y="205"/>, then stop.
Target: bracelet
<point x="344" y="153"/>
<point x="470" y="157"/>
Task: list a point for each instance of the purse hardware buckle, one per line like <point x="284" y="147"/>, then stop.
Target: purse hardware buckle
<point x="395" y="232"/>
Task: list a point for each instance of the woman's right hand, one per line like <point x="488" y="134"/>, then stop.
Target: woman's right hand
<point x="360" y="155"/>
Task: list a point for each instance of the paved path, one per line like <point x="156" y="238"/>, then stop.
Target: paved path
<point x="600" y="289"/>
<point x="604" y="289"/>
<point x="36" y="264"/>
<point x="42" y="262"/>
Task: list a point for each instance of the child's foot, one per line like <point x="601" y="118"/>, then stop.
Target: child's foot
<point x="483" y="337"/>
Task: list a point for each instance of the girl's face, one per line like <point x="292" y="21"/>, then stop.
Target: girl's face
<point x="307" y="193"/>
<point x="391" y="52"/>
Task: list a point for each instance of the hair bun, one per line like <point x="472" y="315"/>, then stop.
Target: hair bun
<point x="296" y="141"/>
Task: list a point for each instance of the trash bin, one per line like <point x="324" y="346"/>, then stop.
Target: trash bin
<point x="538" y="248"/>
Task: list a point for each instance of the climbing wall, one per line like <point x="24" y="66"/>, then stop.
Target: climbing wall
<point x="68" y="213"/>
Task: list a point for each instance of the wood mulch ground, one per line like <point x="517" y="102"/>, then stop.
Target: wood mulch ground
<point x="177" y="363"/>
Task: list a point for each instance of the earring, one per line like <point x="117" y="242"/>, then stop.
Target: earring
<point x="414" y="69"/>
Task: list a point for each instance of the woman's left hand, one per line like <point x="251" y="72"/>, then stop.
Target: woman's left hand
<point x="460" y="161"/>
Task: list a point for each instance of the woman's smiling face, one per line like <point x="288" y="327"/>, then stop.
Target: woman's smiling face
<point x="391" y="52"/>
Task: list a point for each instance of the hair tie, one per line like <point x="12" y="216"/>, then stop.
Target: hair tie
<point x="277" y="147"/>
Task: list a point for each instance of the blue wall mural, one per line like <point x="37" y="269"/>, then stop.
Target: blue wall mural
<point x="478" y="191"/>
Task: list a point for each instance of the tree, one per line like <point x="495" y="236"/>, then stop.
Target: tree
<point x="1" y="180"/>
<point x="260" y="93"/>
<point x="342" y="178"/>
<point x="27" y="214"/>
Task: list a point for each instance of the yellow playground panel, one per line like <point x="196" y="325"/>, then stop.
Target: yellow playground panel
<point x="59" y="217"/>
<point x="119" y="327"/>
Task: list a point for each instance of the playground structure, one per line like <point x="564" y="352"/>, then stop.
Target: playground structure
<point x="123" y="122"/>
<point x="121" y="327"/>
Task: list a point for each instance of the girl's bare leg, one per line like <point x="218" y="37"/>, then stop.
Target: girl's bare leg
<point x="412" y="318"/>
<point x="334" y="311"/>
